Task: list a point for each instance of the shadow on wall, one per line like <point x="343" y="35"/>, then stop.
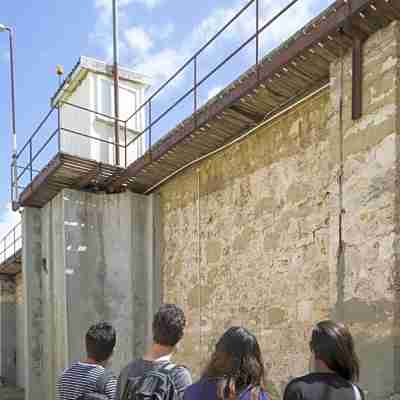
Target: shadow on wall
<point x="376" y="338"/>
<point x="396" y="272"/>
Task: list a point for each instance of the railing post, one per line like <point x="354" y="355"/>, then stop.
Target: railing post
<point x="30" y="160"/>
<point x="195" y="90"/>
<point x="59" y="129"/>
<point x="126" y="147"/>
<point x="150" y="127"/>
<point x="257" y="35"/>
<point x="13" y="183"/>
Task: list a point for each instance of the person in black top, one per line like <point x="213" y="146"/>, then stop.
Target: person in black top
<point x="335" y="367"/>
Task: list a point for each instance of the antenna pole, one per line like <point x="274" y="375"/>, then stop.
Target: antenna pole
<point x="116" y="78"/>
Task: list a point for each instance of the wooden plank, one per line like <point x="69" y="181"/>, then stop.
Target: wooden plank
<point x="40" y="179"/>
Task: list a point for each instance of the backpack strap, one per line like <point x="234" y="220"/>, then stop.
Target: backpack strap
<point x="357" y="392"/>
<point x="102" y="381"/>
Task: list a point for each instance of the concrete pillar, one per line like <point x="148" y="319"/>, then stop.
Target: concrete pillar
<point x="19" y="305"/>
<point x="53" y="295"/>
<point x="146" y="268"/>
<point x="32" y="271"/>
<point x="108" y="260"/>
<point x="88" y="257"/>
<point x="7" y="330"/>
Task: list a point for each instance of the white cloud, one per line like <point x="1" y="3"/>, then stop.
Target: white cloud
<point x="213" y="92"/>
<point x="138" y="39"/>
<point x="145" y="49"/>
<point x="5" y="56"/>
<point x="106" y="5"/>
<point x="160" y="65"/>
<point x="149" y="3"/>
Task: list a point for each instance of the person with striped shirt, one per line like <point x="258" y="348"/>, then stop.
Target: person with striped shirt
<point x="91" y="375"/>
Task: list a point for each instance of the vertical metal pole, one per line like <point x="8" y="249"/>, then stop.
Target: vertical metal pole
<point x="257" y="35"/>
<point x="150" y="127"/>
<point x="14" y="240"/>
<point x="12" y="183"/>
<point x="30" y="160"/>
<point x="357" y="79"/>
<point x="126" y="147"/>
<point x="59" y="128"/>
<point x="116" y="78"/>
<point x="13" y="112"/>
<point x="195" y="90"/>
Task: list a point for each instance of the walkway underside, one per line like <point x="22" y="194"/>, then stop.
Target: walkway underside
<point x="293" y="70"/>
<point x="66" y="171"/>
<point x="298" y="67"/>
<point x="12" y="265"/>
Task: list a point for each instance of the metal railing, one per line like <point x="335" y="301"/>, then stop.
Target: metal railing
<point x="11" y="243"/>
<point x="39" y="148"/>
<point x="33" y="150"/>
<point x="193" y="65"/>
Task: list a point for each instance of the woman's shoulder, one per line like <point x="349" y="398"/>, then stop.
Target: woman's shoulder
<point x="200" y="389"/>
<point x="251" y="394"/>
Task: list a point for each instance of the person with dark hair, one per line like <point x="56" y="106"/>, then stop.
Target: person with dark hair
<point x="91" y="376"/>
<point x="334" y="364"/>
<point x="235" y="371"/>
<point x="155" y="369"/>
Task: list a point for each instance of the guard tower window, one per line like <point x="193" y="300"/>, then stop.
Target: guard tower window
<point x="127" y="101"/>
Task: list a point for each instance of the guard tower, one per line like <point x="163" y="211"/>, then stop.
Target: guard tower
<point x="75" y="145"/>
<point x="87" y="254"/>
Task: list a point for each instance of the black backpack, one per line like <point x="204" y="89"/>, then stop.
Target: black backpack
<point x="101" y="383"/>
<point x="156" y="384"/>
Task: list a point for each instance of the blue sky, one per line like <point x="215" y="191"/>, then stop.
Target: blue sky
<point x="157" y="36"/>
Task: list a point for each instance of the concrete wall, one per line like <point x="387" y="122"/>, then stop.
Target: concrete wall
<point x="34" y="318"/>
<point x="19" y="305"/>
<point x="250" y="236"/>
<point x="98" y="260"/>
<point x="8" y="345"/>
<point x="12" y="330"/>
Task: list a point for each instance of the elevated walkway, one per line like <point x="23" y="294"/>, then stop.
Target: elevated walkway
<point x="298" y="67"/>
<point x="11" y="252"/>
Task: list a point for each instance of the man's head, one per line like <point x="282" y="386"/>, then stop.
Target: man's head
<point x="168" y="325"/>
<point x="100" y="341"/>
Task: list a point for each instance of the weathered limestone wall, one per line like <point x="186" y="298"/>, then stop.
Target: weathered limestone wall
<point x="365" y="278"/>
<point x="250" y="236"/>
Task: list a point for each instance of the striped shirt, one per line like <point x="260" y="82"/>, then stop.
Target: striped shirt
<point x="80" y="379"/>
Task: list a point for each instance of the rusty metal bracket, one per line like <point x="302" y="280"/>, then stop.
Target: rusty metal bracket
<point x="357" y="78"/>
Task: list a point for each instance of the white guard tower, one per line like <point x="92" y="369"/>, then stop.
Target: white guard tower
<point x="91" y="135"/>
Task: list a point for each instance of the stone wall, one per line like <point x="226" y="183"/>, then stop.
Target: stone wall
<point x="250" y="236"/>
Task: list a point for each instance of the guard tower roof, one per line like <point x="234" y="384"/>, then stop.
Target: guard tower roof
<point x="87" y="64"/>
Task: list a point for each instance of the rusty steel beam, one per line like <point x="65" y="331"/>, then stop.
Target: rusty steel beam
<point x="40" y="179"/>
<point x="357" y="79"/>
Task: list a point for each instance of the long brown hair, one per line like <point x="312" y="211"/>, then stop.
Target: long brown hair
<point x="333" y="344"/>
<point x="236" y="363"/>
